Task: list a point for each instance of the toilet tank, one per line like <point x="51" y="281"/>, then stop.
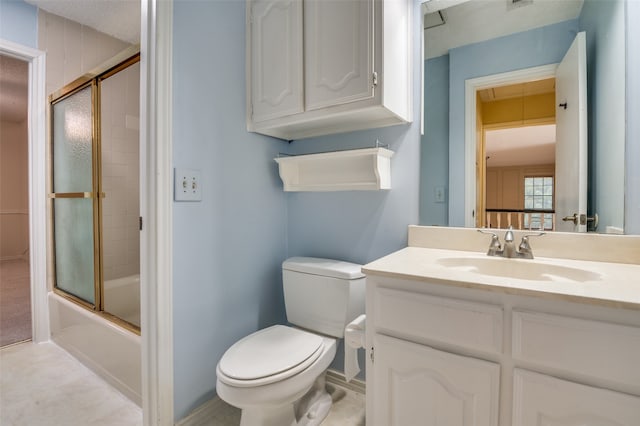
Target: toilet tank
<point x="322" y="295"/>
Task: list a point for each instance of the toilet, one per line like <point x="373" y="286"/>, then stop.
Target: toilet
<point x="277" y="375"/>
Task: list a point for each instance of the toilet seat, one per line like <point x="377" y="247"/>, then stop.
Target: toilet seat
<point x="269" y="355"/>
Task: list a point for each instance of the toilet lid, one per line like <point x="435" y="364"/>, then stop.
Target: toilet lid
<point x="269" y="352"/>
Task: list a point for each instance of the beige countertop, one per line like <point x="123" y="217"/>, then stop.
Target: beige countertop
<point x="584" y="281"/>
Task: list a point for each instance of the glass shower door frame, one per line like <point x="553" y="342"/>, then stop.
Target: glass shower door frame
<point x="95" y="194"/>
<point x="91" y="80"/>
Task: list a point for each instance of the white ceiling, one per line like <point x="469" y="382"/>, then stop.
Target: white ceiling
<point x="479" y="20"/>
<point x="521" y="146"/>
<point x="117" y="18"/>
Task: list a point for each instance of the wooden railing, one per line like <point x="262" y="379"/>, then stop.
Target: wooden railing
<point x="520" y="219"/>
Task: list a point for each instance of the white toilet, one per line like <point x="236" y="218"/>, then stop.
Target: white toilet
<point x="277" y="375"/>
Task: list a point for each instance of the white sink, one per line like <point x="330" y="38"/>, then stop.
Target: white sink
<point x="522" y="269"/>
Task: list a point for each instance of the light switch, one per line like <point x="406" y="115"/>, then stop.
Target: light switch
<point x="187" y="185"/>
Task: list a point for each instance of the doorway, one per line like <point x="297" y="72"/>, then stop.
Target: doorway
<point x="516" y="155"/>
<point x="15" y="292"/>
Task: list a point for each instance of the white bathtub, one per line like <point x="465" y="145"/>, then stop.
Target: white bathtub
<point x="109" y="350"/>
<point x="122" y="298"/>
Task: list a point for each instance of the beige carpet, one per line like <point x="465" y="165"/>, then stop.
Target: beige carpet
<point x="15" y="303"/>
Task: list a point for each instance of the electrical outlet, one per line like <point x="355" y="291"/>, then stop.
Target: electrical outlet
<point x="438" y="194"/>
<point x="187" y="185"/>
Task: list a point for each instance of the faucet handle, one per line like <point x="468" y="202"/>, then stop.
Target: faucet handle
<point x="537" y="234"/>
<point x="494" y="245"/>
<point x="524" y="246"/>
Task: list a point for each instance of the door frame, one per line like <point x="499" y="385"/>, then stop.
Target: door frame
<point x="36" y="130"/>
<point x="156" y="274"/>
<point x="470" y="142"/>
<point x="156" y="209"/>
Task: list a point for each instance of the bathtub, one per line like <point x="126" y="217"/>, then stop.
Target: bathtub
<point x="107" y="349"/>
<point x="122" y="298"/>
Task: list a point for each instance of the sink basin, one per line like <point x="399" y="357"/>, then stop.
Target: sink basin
<point x="522" y="269"/>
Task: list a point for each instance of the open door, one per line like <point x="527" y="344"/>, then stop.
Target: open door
<point x="571" y="139"/>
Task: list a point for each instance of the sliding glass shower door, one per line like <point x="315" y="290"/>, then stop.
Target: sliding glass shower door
<point x="75" y="195"/>
<point x="95" y="191"/>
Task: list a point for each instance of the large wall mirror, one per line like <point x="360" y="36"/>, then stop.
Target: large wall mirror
<point x="524" y="114"/>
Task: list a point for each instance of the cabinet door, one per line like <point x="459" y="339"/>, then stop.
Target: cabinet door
<point x="438" y="388"/>
<point x="276" y="58"/>
<point x="338" y="52"/>
<point x="547" y="401"/>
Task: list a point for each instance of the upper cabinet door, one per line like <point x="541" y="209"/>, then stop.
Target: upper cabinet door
<point x="338" y="52"/>
<point x="276" y="58"/>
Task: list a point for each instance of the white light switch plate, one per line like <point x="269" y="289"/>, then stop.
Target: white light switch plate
<point x="187" y="185"/>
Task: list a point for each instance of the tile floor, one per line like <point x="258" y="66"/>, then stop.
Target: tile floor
<point x="42" y="385"/>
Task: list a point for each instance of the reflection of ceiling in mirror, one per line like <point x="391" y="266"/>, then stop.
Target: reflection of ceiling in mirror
<point x="521" y="146"/>
<point x="480" y="20"/>
<point x="511" y="91"/>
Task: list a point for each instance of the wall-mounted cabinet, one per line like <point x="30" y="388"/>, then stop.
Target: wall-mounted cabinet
<point x="322" y="67"/>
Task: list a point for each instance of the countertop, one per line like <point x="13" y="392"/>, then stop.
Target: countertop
<point x="602" y="283"/>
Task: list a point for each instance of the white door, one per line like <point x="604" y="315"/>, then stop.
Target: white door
<point x="415" y="383"/>
<point x="338" y="52"/>
<point x="571" y="138"/>
<point x="544" y="400"/>
<point x="276" y="59"/>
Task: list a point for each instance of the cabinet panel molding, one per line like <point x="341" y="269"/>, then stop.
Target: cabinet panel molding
<point x="339" y="62"/>
<point x="469" y="324"/>
<point x="592" y="348"/>
<point x="276" y="58"/>
<point x="418" y="382"/>
<point x="544" y="400"/>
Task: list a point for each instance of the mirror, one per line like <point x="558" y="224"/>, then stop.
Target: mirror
<point x="486" y="40"/>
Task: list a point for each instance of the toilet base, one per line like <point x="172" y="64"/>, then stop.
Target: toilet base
<point x="315" y="405"/>
<point x="310" y="410"/>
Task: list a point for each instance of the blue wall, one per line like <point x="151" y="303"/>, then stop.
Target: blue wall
<point x="604" y="23"/>
<point x="361" y="226"/>
<point x="632" y="152"/>
<point x="229" y="247"/>
<point x="19" y="22"/>
<point x="540" y="46"/>
<point x="434" y="146"/>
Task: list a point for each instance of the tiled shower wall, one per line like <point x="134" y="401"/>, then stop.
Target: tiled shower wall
<point x="72" y="49"/>
<point x="120" y="113"/>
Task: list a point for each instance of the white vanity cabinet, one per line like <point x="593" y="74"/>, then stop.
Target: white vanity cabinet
<point x="442" y="354"/>
<point x="321" y="67"/>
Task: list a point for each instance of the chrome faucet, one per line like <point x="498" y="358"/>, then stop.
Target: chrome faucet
<point x="510" y="251"/>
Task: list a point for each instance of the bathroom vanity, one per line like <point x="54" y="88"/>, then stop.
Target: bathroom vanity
<point x="455" y="337"/>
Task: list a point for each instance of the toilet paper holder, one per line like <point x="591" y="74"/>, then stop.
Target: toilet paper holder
<point x="354" y="339"/>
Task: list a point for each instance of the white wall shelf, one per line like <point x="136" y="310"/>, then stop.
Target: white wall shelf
<point x="350" y="170"/>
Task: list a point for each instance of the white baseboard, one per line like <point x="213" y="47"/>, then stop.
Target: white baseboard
<point x="337" y="378"/>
